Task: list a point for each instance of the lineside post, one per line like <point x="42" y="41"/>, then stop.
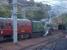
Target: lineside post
<point x="14" y="20"/>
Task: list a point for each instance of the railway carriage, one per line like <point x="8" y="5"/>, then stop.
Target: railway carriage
<point x="25" y="28"/>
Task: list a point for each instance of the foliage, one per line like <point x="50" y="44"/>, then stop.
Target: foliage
<point x="35" y="15"/>
<point x="64" y="17"/>
<point x="4" y="11"/>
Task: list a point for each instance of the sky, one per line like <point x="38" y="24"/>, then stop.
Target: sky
<point x="58" y="6"/>
<point x="52" y="2"/>
<point x="59" y="3"/>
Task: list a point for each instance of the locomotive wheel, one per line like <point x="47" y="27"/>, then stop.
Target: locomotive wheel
<point x="1" y="38"/>
<point x="25" y="36"/>
<point x="21" y="36"/>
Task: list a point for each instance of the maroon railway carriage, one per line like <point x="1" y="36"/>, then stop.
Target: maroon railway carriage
<point x="24" y="28"/>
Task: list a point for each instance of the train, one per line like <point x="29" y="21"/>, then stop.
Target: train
<point x="25" y="28"/>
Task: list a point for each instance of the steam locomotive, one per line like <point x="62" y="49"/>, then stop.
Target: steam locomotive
<point x="25" y="28"/>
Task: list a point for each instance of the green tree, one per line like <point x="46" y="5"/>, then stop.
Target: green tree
<point x="35" y="15"/>
<point x="39" y="14"/>
<point x="64" y="17"/>
<point x="4" y="11"/>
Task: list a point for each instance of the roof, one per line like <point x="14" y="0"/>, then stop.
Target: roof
<point x="17" y="19"/>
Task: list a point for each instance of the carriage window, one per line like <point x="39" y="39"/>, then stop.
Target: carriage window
<point x="8" y="25"/>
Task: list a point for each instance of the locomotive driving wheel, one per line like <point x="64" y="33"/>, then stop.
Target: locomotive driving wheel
<point x="25" y="36"/>
<point x="21" y="36"/>
<point x="1" y="38"/>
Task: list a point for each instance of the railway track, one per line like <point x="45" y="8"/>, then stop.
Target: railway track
<point x="45" y="42"/>
<point x="38" y="43"/>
